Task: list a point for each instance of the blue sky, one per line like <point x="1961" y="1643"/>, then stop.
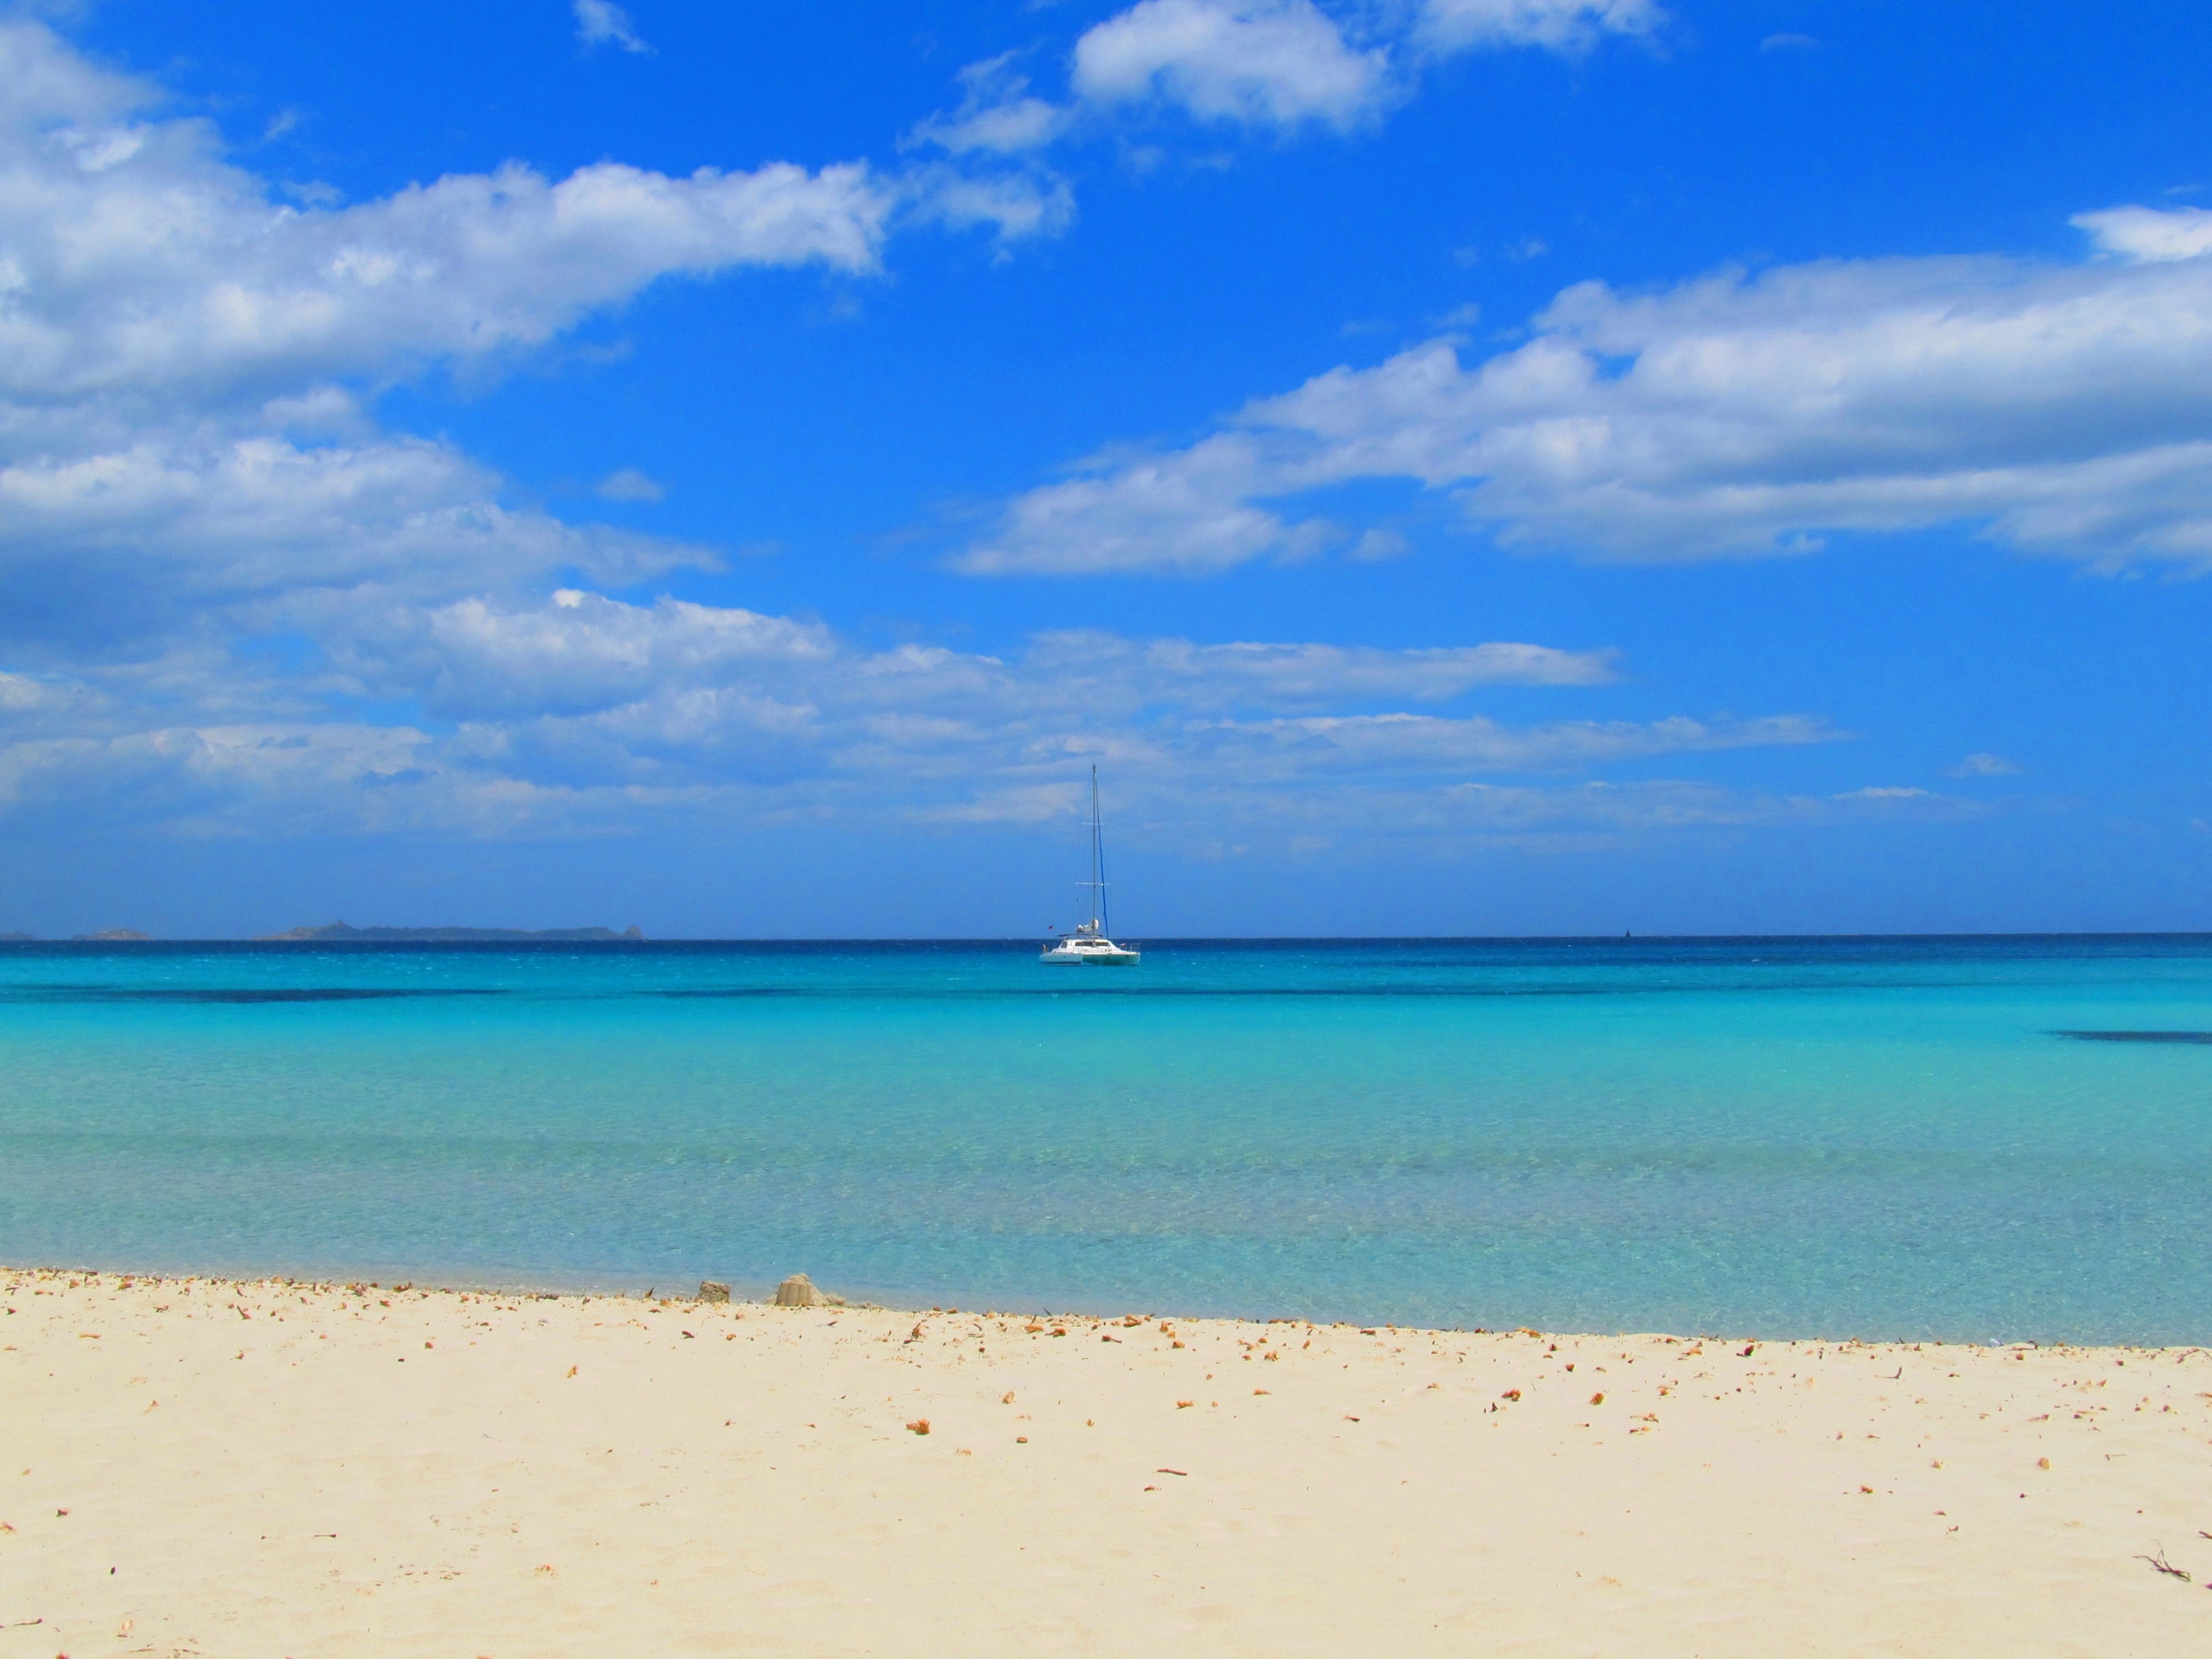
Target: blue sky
<point x="1455" y="465"/>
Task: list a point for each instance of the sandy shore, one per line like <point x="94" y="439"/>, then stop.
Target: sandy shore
<point x="267" y="1468"/>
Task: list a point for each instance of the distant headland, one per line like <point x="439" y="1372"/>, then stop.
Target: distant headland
<point x="338" y="932"/>
<point x="105" y="936"/>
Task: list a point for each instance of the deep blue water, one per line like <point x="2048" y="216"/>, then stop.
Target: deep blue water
<point x="1869" y="1137"/>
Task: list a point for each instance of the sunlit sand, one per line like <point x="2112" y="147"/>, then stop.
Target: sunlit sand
<point x="211" y="1467"/>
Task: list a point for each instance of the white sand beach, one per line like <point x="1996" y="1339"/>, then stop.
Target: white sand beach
<point x="210" y="1468"/>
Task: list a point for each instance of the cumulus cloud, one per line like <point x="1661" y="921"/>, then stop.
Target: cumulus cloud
<point x="2065" y="409"/>
<point x="1274" y="65"/>
<point x="2150" y="234"/>
<point x="602" y="23"/>
<point x="181" y="531"/>
<point x="212" y="557"/>
<point x="187" y="357"/>
<point x="1276" y="62"/>
<point x="137" y="257"/>
<point x="580" y="709"/>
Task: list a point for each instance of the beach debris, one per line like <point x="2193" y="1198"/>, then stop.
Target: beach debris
<point x="2043" y="1462"/>
<point x="1185" y="1473"/>
<point x="713" y="1290"/>
<point x="2161" y="1565"/>
<point x="1007" y="1398"/>
<point x="1021" y="1440"/>
<point x="1748" y="1346"/>
<point x="572" y="1370"/>
<point x="801" y="1291"/>
<point x="1185" y="1405"/>
<point x="1511" y="1394"/>
<point x="1598" y="1399"/>
<point x="920" y="1425"/>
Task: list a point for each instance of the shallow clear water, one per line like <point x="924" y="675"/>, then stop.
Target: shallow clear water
<point x="1870" y="1137"/>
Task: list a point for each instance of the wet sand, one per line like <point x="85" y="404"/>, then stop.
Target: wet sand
<point x="205" y="1467"/>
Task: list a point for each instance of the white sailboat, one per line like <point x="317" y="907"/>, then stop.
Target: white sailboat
<point x="1089" y="943"/>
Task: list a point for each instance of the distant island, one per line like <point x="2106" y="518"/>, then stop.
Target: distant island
<point x="104" y="936"/>
<point x="338" y="932"/>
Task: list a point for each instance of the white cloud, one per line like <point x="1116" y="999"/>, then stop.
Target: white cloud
<point x="1398" y="742"/>
<point x="1278" y="63"/>
<point x="602" y="23"/>
<point x="211" y="557"/>
<point x="1449" y="26"/>
<point x="629" y="484"/>
<point x="137" y="257"/>
<point x="1205" y="676"/>
<point x="185" y="359"/>
<point x="578" y="710"/>
<point x="2150" y="234"/>
<point x="184" y="528"/>
<point x="998" y="113"/>
<point x="2067" y="409"/>
<point x="1016" y="204"/>
<point x="1983" y="765"/>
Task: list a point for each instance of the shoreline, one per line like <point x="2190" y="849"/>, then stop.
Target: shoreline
<point x="218" y="1465"/>
<point x="762" y="1293"/>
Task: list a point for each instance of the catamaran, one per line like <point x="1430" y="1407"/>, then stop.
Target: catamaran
<point x="1089" y="943"/>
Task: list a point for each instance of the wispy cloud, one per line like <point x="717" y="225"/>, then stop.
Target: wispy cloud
<point x="602" y="23"/>
<point x="629" y="484"/>
<point x="580" y="709"/>
<point x="1982" y="766"/>
<point x="1277" y="66"/>
<point x="2065" y="409"/>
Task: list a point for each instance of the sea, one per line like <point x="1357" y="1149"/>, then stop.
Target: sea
<point x="1987" y="1138"/>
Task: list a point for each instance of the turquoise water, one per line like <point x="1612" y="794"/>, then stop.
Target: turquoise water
<point x="1870" y="1137"/>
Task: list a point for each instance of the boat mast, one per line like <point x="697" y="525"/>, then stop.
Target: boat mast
<point x="1097" y="860"/>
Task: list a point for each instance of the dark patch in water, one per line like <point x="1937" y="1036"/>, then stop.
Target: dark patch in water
<point x="2139" y="1037"/>
<point x="178" y="993"/>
